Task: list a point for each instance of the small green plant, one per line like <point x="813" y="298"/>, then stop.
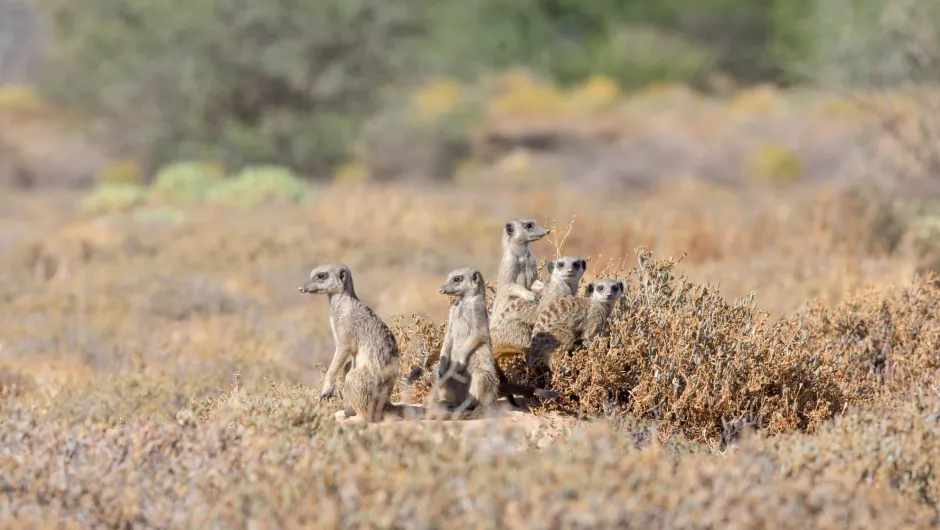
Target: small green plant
<point x="774" y="164"/>
<point x="119" y="172"/>
<point x="114" y="197"/>
<point x="256" y="184"/>
<point x="187" y="182"/>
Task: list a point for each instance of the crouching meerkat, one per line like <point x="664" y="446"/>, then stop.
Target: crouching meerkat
<point x="366" y="349"/>
<point x="517" y="276"/>
<point x="566" y="321"/>
<point x="519" y="316"/>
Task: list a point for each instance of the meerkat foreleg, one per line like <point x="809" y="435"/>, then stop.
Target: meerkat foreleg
<point x="514" y="289"/>
<point x="462" y="356"/>
<point x="340" y="356"/>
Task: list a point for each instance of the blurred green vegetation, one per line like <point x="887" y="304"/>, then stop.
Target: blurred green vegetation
<point x="292" y="83"/>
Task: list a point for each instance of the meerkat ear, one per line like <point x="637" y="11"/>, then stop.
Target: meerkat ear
<point x="620" y="284"/>
<point x="342" y="275"/>
<point x="583" y="265"/>
<point x="551" y="266"/>
<point x="477" y="277"/>
<point x="590" y="289"/>
<point x="509" y="228"/>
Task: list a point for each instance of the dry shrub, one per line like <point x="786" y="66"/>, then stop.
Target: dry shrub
<point x="884" y="344"/>
<point x="679" y="353"/>
<point x="705" y="367"/>
<point x="276" y="458"/>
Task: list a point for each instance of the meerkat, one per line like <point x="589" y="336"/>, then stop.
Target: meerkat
<point x="366" y="349"/>
<point x="466" y="374"/>
<point x="517" y="276"/>
<point x="519" y="315"/>
<point x="566" y="321"/>
<point x="468" y="325"/>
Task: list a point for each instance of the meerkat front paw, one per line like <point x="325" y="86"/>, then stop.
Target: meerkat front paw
<point x="442" y="367"/>
<point x="327" y="393"/>
<point x="537" y="285"/>
<point x="416" y="372"/>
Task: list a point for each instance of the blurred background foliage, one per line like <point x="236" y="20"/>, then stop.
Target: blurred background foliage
<point x="297" y="83"/>
<point x="292" y="82"/>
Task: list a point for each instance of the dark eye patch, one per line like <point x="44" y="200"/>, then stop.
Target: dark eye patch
<point x="561" y="265"/>
<point x="600" y="288"/>
<point x="321" y="276"/>
<point x="528" y="226"/>
<point x="458" y="279"/>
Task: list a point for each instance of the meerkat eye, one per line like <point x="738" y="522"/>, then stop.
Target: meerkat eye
<point x="528" y="226"/>
<point x="560" y="265"/>
<point x="458" y="279"/>
<point x="600" y="288"/>
<point x="321" y="276"/>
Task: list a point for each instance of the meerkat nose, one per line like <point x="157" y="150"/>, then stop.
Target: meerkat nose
<point x="301" y="289"/>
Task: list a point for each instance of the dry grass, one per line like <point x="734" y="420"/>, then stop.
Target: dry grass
<point x="160" y="370"/>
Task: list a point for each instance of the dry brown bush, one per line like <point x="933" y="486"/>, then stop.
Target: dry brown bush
<point x="704" y="367"/>
<point x="277" y="458"/>
<point x="123" y="417"/>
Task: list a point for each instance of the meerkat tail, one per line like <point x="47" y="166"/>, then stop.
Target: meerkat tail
<point x="503" y="386"/>
<point x="502" y="351"/>
<point x="508" y="389"/>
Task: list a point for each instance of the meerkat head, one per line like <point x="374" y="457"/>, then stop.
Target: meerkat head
<point x="331" y="278"/>
<point x="567" y="268"/>
<point x="524" y="231"/>
<point x="605" y="290"/>
<point x="462" y="282"/>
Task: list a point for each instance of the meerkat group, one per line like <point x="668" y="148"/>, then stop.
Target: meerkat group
<point x="529" y="318"/>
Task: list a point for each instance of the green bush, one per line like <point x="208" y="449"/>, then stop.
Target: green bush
<point x="774" y="164"/>
<point x="275" y="80"/>
<point x="187" y="182"/>
<point x="119" y="172"/>
<point x="114" y="196"/>
<point x="256" y="184"/>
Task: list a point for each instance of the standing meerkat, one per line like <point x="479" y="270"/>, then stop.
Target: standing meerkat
<point x="366" y="349"/>
<point x="466" y="373"/>
<point x="518" y="271"/>
<point x="465" y="356"/>
<point x="566" y="321"/>
<point x="519" y="316"/>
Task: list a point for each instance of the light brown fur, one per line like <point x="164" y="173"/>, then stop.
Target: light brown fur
<point x="466" y="381"/>
<point x="517" y="276"/>
<point x="566" y="321"/>
<point x="520" y="315"/>
<point x="366" y="349"/>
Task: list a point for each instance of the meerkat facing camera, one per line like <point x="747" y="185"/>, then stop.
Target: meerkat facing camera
<point x="466" y="374"/>
<point x="519" y="316"/>
<point x="566" y="321"/>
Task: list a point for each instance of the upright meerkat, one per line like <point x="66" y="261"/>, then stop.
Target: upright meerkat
<point x="518" y="271"/>
<point x="366" y="349"/>
<point x="468" y="331"/>
<point x="466" y="373"/>
<point x="519" y="316"/>
<point x="566" y="321"/>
